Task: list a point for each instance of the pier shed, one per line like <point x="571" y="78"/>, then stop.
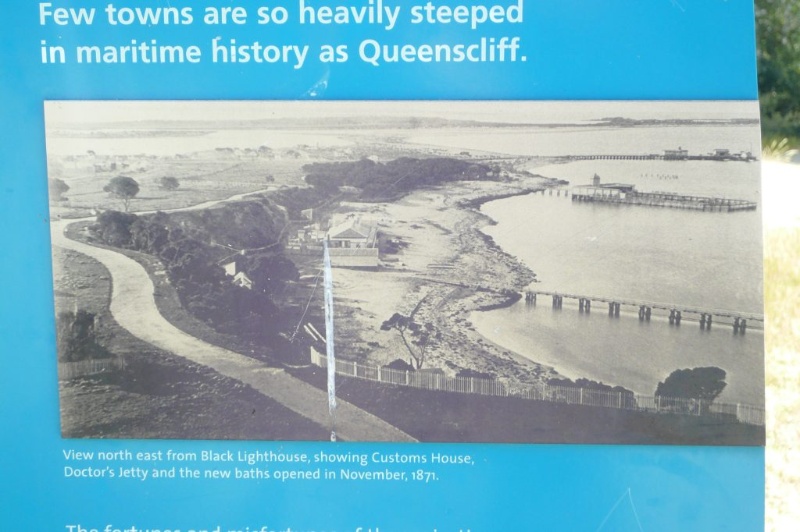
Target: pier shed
<point x="676" y="155"/>
<point x="620" y="193"/>
<point x="598" y="191"/>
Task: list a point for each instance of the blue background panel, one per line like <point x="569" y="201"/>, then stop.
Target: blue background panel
<point x="575" y="49"/>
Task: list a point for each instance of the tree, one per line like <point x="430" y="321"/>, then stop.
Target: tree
<point x="150" y="233"/>
<point x="270" y="271"/>
<point x="114" y="228"/>
<point x="778" y="48"/>
<point x="778" y="39"/>
<point x="57" y="189"/>
<point x="697" y="383"/>
<point x="76" y="337"/>
<point x="169" y="183"/>
<point x="124" y="188"/>
<point x="419" y="339"/>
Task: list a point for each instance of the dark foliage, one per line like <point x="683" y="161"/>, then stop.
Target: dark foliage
<point x="241" y="225"/>
<point x="57" y="189"/>
<point x="296" y="200"/>
<point x="394" y="178"/>
<point x="474" y="374"/>
<point x="587" y="384"/>
<point x="778" y="39"/>
<point x="75" y="337"/>
<point x="114" y="228"/>
<point x="270" y="270"/>
<point x="169" y="183"/>
<point x="697" y="383"/>
<point x="400" y="365"/>
<point x="626" y="398"/>
<point x="193" y="265"/>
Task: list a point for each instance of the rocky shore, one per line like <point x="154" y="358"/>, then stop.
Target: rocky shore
<point x="446" y="270"/>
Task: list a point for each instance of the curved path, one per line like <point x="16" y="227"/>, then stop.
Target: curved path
<point x="133" y="306"/>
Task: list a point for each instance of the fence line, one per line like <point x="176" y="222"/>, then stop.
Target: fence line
<point x="743" y="413"/>
<point x="83" y="368"/>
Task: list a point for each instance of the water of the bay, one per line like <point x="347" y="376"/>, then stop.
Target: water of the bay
<point x="679" y="257"/>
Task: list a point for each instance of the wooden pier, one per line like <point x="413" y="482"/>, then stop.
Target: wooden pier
<point x="721" y="155"/>
<point x="657" y="157"/>
<point x="675" y="314"/>
<point x="626" y="194"/>
<point x="617" y="157"/>
<point x="608" y="194"/>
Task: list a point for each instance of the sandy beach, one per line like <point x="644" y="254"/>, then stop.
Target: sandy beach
<point x="445" y="270"/>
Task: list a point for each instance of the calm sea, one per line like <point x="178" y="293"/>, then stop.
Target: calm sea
<point x="686" y="258"/>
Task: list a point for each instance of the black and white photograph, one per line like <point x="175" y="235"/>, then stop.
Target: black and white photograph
<point x="429" y="271"/>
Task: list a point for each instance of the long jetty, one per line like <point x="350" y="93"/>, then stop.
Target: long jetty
<point x="658" y="157"/>
<point x="591" y="194"/>
<point x="740" y="321"/>
<point x="662" y="199"/>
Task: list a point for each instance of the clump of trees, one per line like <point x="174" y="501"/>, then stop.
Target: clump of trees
<point x="778" y="43"/>
<point x="169" y="183"/>
<point x="193" y="267"/>
<point x="114" y="228"/>
<point x="475" y="374"/>
<point x="394" y="178"/>
<point x="698" y="383"/>
<point x="124" y="188"/>
<point x="241" y="225"/>
<point x="295" y="200"/>
<point x="270" y="270"/>
<point x="628" y="398"/>
<point x="691" y="391"/>
<point x="76" y="338"/>
<point x="400" y="365"/>
<point x="57" y="189"/>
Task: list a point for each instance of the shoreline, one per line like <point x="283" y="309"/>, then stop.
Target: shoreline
<point x="452" y="271"/>
<point x="611" y="361"/>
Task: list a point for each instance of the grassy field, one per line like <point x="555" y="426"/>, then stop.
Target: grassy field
<point x="202" y="178"/>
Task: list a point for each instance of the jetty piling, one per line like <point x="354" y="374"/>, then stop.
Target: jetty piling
<point x="675" y="317"/>
<point x="672" y="313"/>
